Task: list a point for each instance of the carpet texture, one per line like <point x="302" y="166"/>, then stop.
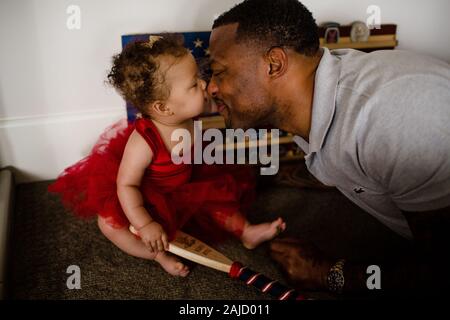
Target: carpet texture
<point x="46" y="240"/>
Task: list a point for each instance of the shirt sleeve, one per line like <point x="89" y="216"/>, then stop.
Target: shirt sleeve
<point x="405" y="144"/>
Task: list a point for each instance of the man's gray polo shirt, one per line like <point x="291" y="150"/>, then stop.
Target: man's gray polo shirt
<point x="380" y="132"/>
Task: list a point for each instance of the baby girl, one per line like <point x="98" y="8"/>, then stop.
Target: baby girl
<point x="129" y="179"/>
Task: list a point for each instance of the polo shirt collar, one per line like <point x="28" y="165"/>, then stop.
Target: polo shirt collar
<point x="324" y="101"/>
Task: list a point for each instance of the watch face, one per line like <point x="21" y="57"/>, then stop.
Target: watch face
<point x="335" y="281"/>
<point x="336" y="277"/>
<point x="359" y="32"/>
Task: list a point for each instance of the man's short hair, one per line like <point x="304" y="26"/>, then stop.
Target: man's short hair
<point x="272" y="23"/>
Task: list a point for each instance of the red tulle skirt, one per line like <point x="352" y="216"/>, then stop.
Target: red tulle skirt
<point x="210" y="205"/>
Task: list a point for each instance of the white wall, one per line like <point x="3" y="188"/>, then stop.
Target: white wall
<point x="53" y="100"/>
<point x="422" y="25"/>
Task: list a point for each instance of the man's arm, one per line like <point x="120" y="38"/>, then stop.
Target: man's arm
<point x="307" y="268"/>
<point x="427" y="269"/>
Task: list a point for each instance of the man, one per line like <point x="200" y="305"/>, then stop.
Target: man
<point x="376" y="126"/>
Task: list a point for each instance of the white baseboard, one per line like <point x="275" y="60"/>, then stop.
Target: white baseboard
<point x="40" y="147"/>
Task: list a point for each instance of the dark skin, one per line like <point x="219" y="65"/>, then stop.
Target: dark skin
<point x="261" y="86"/>
<point x="258" y="86"/>
<point x="307" y="267"/>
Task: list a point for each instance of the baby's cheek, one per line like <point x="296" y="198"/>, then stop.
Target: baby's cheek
<point x="203" y="104"/>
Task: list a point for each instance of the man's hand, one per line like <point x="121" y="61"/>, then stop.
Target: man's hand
<point x="305" y="266"/>
<point x="154" y="237"/>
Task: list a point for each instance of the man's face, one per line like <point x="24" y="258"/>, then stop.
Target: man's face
<point x="239" y="82"/>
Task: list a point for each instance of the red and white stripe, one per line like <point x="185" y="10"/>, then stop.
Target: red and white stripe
<point x="286" y="295"/>
<point x="268" y="286"/>
<point x="240" y="271"/>
<point x="253" y="278"/>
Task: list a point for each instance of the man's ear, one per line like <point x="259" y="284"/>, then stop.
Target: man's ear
<point x="277" y="62"/>
<point x="160" y="108"/>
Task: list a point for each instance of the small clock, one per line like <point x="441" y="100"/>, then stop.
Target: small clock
<point x="359" y="32"/>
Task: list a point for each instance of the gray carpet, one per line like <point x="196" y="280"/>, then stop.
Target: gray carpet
<point x="46" y="239"/>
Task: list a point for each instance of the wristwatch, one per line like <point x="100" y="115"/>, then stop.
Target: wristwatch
<point x="335" y="278"/>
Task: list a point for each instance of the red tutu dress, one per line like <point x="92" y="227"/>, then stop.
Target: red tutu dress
<point x="200" y="199"/>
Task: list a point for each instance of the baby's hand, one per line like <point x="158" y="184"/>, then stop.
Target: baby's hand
<point x="154" y="237"/>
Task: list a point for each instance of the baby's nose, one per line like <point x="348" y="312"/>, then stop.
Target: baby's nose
<point x="203" y="84"/>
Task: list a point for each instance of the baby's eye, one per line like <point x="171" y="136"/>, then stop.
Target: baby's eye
<point x="195" y="85"/>
<point x="197" y="81"/>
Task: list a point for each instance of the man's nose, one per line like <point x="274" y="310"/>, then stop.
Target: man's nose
<point x="212" y="88"/>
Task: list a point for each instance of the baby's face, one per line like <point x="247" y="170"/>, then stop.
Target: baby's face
<point x="187" y="90"/>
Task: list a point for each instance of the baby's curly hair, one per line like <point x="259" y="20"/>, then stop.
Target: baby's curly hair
<point x="135" y="71"/>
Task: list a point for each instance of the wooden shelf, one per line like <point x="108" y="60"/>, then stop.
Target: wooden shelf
<point x="249" y="144"/>
<point x="382" y="38"/>
<point x="292" y="158"/>
<point x="383" y="41"/>
<point x="209" y="122"/>
<point x="219" y="123"/>
<point x="362" y="45"/>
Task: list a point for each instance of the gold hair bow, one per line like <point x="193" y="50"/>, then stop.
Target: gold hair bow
<point x="151" y="41"/>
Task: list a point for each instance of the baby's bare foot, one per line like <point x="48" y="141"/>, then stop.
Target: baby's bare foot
<point x="254" y="235"/>
<point x="171" y="264"/>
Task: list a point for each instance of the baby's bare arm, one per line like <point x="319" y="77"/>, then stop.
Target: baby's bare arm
<point x="136" y="158"/>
